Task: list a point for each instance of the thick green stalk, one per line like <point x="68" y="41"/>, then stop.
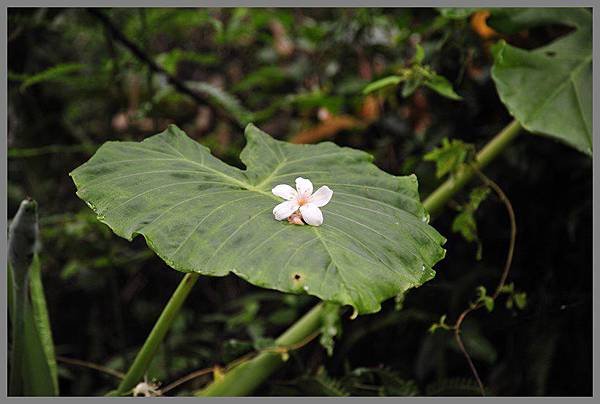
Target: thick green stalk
<point x="243" y="379"/>
<point x="146" y="354"/>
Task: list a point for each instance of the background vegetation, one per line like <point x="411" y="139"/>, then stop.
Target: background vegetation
<point x="78" y="78"/>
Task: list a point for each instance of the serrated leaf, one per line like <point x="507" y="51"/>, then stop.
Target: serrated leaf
<point x="549" y="89"/>
<point x="202" y="215"/>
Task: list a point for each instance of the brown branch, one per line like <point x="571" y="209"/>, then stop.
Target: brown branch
<point x="186" y="378"/>
<point x="90" y="365"/>
<point x="143" y="57"/>
<point x="507" y="264"/>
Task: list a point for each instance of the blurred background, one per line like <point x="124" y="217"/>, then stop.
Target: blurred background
<point x="78" y="78"/>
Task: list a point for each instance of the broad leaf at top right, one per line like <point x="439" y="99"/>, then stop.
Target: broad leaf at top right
<point x="548" y="89"/>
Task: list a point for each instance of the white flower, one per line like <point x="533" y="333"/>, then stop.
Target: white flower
<point x="146" y="389"/>
<point x="302" y="199"/>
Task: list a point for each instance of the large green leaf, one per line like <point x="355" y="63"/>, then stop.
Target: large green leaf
<point x="549" y="89"/>
<point x="200" y="214"/>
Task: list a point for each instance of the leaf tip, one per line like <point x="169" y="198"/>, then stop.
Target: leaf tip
<point x="497" y="50"/>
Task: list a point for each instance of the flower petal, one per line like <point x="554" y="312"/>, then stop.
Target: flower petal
<point x="321" y="197"/>
<point x="285" y="209"/>
<point x="304" y="187"/>
<point x="285" y="191"/>
<point x="311" y="214"/>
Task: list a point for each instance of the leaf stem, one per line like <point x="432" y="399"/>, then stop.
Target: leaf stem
<point x="243" y="379"/>
<point x="509" y="256"/>
<point x="91" y="365"/>
<point x="146" y="354"/>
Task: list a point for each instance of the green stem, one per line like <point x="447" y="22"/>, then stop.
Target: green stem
<point x="146" y="354"/>
<point x="438" y="198"/>
<point x="243" y="379"/>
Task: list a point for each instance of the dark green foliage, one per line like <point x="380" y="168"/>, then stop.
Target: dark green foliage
<point x="104" y="294"/>
<point x="464" y="222"/>
<point x="450" y="156"/>
<point x="413" y="77"/>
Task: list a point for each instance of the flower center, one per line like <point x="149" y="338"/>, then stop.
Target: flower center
<point x="302" y="200"/>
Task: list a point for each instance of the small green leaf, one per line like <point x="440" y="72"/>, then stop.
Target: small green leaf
<point x="450" y="156"/>
<point x="514" y="298"/>
<point x="440" y="324"/>
<point x="170" y="60"/>
<point x="482" y="297"/>
<point x="442" y="86"/>
<point x="549" y="89"/>
<point x="477" y="195"/>
<point x="382" y="83"/>
<point x="508" y="288"/>
<point x="202" y="215"/>
<point x="419" y="54"/>
<point x="465" y="224"/>
<point x="489" y="303"/>
<point x="520" y="300"/>
<point x="54" y="73"/>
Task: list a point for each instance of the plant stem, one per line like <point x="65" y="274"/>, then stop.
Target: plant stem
<point x="245" y="378"/>
<point x="146" y="354"/>
<point x="438" y="198"/>
<point x="503" y="277"/>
